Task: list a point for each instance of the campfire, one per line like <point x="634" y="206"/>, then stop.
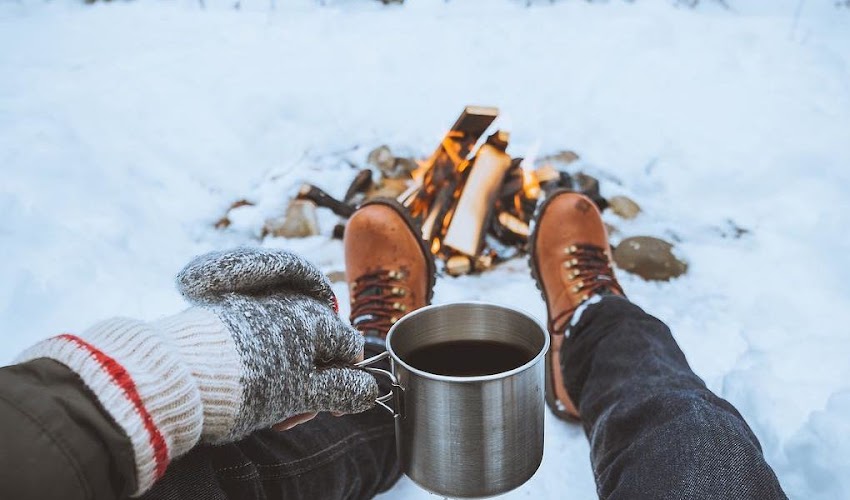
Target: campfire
<point x="473" y="201"/>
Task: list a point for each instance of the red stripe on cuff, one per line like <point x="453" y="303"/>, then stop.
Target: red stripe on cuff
<point x="120" y="377"/>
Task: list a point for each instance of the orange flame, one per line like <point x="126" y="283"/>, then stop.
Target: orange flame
<point x="530" y="184"/>
<point x="418" y="174"/>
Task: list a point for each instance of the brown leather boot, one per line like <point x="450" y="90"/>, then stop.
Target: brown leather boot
<point x="571" y="262"/>
<point x="389" y="269"/>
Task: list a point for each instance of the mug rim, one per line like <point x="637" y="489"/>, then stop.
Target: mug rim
<point x="476" y="378"/>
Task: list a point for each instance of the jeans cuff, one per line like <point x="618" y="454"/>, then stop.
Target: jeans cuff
<point x="592" y="308"/>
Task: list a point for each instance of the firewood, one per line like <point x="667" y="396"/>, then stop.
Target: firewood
<point x="447" y="161"/>
<point x="362" y="181"/>
<point x="323" y="199"/>
<point x="474" y="205"/>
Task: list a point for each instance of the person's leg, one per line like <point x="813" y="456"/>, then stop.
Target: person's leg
<point x="347" y="457"/>
<point x="655" y="430"/>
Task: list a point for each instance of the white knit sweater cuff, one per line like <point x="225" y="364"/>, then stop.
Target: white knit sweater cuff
<point x="141" y="381"/>
<point x="209" y="351"/>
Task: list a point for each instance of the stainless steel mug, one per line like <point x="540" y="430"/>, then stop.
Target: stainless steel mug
<point x="466" y="436"/>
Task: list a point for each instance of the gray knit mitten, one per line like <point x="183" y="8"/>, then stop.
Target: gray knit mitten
<point x="294" y="351"/>
<point x="263" y="343"/>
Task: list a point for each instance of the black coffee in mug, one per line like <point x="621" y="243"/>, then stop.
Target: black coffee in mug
<point x="468" y="358"/>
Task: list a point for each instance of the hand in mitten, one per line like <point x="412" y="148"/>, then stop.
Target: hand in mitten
<point x="263" y="345"/>
<point x="293" y="350"/>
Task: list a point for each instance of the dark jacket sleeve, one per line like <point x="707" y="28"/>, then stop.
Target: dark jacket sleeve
<point x="55" y="439"/>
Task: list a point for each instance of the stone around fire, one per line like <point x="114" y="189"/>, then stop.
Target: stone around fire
<point x="624" y="206"/>
<point x="390" y="166"/>
<point x="299" y="221"/>
<point x="648" y="257"/>
<point x="336" y="276"/>
<point x="381" y="158"/>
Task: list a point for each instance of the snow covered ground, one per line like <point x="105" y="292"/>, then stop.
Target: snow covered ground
<point x="126" y="129"/>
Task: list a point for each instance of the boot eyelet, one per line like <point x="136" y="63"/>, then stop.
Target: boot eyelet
<point x="399" y="306"/>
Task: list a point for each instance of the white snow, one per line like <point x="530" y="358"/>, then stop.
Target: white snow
<point x="126" y="129"/>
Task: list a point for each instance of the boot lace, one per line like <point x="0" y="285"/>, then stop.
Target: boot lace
<point x="589" y="273"/>
<point x="375" y="301"/>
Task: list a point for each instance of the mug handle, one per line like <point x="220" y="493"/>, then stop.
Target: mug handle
<point x="395" y="392"/>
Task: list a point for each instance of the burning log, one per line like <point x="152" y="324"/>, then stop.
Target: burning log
<point x="515" y="205"/>
<point x="429" y="203"/>
<point x="433" y="225"/>
<point x="461" y="201"/>
<point x="477" y="195"/>
<point x="515" y="225"/>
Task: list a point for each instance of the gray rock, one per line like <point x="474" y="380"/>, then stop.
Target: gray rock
<point x="336" y="276"/>
<point x="299" y="221"/>
<point x="588" y="185"/>
<point x="391" y="167"/>
<point x="648" y="257"/>
<point x="382" y="159"/>
<point x="624" y="206"/>
<point x="561" y="158"/>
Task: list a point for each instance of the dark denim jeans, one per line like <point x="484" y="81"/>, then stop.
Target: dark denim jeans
<point x="655" y="432"/>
